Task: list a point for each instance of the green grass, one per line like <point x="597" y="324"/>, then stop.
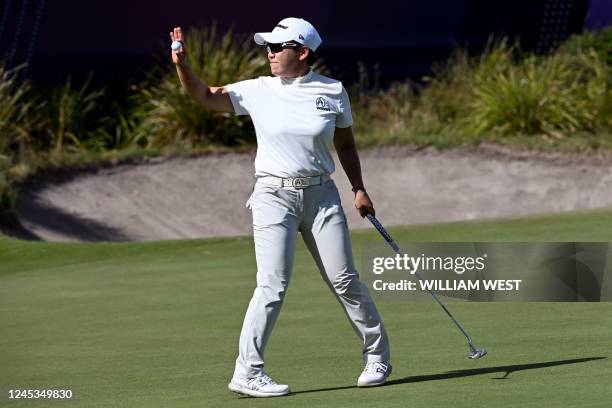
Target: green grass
<point x="156" y="325"/>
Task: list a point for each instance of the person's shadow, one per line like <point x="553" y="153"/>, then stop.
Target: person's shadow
<point x="505" y="370"/>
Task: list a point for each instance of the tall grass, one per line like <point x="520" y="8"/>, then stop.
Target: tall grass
<point x="18" y="108"/>
<point x="498" y="94"/>
<point x="16" y="122"/>
<point x="560" y="93"/>
<point x="600" y="41"/>
<point x="70" y="117"/>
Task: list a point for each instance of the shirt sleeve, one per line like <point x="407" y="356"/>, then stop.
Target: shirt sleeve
<point x="242" y="95"/>
<point x="345" y="116"/>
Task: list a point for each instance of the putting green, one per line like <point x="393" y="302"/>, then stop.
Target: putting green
<point x="156" y="325"/>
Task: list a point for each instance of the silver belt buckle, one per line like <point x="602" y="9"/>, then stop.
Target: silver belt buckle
<point x="300" y="182"/>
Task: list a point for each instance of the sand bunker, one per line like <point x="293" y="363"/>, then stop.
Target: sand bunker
<point x="204" y="196"/>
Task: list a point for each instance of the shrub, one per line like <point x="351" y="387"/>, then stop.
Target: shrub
<point x="562" y="92"/>
<point x="72" y="118"/>
<point x="18" y="118"/>
<point x="598" y="40"/>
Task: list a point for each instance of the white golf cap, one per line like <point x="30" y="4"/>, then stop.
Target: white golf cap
<point x="291" y="29"/>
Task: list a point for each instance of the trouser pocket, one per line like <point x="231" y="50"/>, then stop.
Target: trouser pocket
<point x="268" y="205"/>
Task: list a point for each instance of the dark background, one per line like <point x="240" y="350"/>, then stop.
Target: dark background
<point x="117" y="39"/>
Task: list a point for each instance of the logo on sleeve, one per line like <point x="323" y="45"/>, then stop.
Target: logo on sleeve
<point x="322" y="104"/>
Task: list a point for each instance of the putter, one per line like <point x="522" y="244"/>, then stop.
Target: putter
<point x="475" y="352"/>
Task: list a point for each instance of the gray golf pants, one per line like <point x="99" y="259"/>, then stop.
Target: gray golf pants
<point x="278" y="214"/>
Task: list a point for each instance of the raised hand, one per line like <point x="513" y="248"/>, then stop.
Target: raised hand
<point x="179" y="56"/>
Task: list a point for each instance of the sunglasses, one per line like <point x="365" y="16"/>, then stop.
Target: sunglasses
<point x="280" y="47"/>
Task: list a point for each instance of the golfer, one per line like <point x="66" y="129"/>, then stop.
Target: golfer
<point x="297" y="115"/>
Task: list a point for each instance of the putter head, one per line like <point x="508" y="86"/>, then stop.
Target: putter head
<point x="477" y="353"/>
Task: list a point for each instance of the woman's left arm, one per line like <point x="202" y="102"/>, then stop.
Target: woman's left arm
<point x="344" y="142"/>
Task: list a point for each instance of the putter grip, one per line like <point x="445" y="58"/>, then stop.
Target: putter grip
<point x="383" y="232"/>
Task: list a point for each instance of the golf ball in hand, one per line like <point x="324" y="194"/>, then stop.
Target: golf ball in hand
<point x="176" y="45"/>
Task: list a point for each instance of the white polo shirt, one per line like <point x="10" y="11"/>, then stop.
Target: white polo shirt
<point x="295" y="120"/>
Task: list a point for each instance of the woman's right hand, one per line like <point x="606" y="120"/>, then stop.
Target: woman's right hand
<point x="179" y="57"/>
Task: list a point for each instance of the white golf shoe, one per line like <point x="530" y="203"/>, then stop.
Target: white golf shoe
<point x="260" y="386"/>
<point x="374" y="374"/>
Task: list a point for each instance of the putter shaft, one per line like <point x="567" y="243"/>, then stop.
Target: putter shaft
<point x="475" y="351"/>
